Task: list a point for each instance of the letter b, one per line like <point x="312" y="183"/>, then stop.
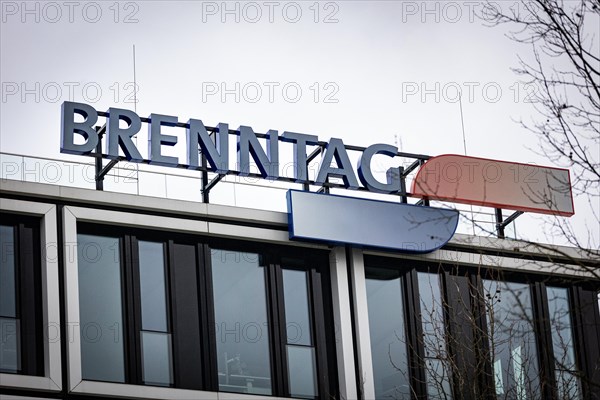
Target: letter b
<point x="70" y="127"/>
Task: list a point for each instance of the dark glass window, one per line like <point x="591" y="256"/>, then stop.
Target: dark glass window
<point x="243" y="344"/>
<point x="100" y="308"/>
<point x="565" y="368"/>
<point x="453" y="333"/>
<point x="302" y="373"/>
<point x="170" y="310"/>
<point x="512" y="340"/>
<point x="388" y="335"/>
<point x="10" y="356"/>
<point x="21" y="344"/>
<point x="155" y="337"/>
<point x="437" y="365"/>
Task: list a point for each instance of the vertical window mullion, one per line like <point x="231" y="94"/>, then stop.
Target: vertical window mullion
<point x="541" y="322"/>
<point x="482" y="345"/>
<point x="30" y="302"/>
<point x="208" y="328"/>
<point x="189" y="365"/>
<point x="279" y="330"/>
<point x="414" y="332"/>
<point x="318" y="318"/>
<point x="461" y="334"/>
<point x="132" y="307"/>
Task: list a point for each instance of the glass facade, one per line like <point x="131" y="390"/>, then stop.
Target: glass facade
<point x="157" y="366"/>
<point x="512" y="340"/>
<point x="100" y="308"/>
<point x="302" y="374"/>
<point x="255" y="322"/>
<point x="388" y="336"/>
<point x="437" y="366"/>
<point x="10" y="355"/>
<point x="565" y="369"/>
<point x="182" y="312"/>
<point x="243" y="343"/>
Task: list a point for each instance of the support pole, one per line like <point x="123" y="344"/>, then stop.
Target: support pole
<point x="499" y="224"/>
<point x="205" y="189"/>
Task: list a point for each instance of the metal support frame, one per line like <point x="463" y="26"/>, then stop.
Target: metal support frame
<point x="101" y="171"/>
<point x="207" y="185"/>
<point x="311" y="156"/>
<point x="501" y="224"/>
<point x="403" y="196"/>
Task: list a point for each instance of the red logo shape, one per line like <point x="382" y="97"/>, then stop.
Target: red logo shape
<point x="493" y="183"/>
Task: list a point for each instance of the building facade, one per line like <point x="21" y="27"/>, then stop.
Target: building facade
<point x="127" y="296"/>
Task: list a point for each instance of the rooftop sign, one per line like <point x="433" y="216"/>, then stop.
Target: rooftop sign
<point x="493" y="183"/>
<point x="453" y="178"/>
<point x="217" y="150"/>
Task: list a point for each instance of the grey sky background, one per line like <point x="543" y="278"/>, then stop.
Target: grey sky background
<point x="368" y="72"/>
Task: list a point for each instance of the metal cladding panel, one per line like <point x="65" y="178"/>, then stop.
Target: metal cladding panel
<point x="492" y="183"/>
<point x="368" y="223"/>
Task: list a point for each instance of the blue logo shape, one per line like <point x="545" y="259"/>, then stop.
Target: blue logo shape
<point x="344" y="220"/>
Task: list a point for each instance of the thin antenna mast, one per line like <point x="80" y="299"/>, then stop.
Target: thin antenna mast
<point x="135" y="84"/>
<point x="137" y="167"/>
<point x="462" y="121"/>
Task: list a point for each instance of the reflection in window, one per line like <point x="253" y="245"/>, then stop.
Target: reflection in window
<point x="155" y="336"/>
<point x="100" y="308"/>
<point x="437" y="367"/>
<point x="240" y="306"/>
<point x="10" y="357"/>
<point x="300" y="347"/>
<point x="512" y="340"/>
<point x="387" y="331"/>
<point x="562" y="342"/>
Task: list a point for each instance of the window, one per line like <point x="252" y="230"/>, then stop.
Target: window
<point x="455" y="333"/>
<point x="408" y="334"/>
<point x="270" y="323"/>
<point x="388" y="335"/>
<point x="437" y="367"/>
<point x="300" y="341"/>
<point x="101" y="308"/>
<point x="512" y="340"/>
<point x="155" y="336"/>
<point x="565" y="368"/>
<point x="133" y="291"/>
<point x="243" y="344"/>
<point x="172" y="310"/>
<point x="21" y="347"/>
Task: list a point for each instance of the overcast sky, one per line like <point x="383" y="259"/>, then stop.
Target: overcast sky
<point x="365" y="72"/>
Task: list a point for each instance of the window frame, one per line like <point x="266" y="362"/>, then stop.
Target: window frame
<point x="51" y="380"/>
<point x="219" y="236"/>
<point x="413" y="323"/>
<point x="462" y="284"/>
<point x="274" y="262"/>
